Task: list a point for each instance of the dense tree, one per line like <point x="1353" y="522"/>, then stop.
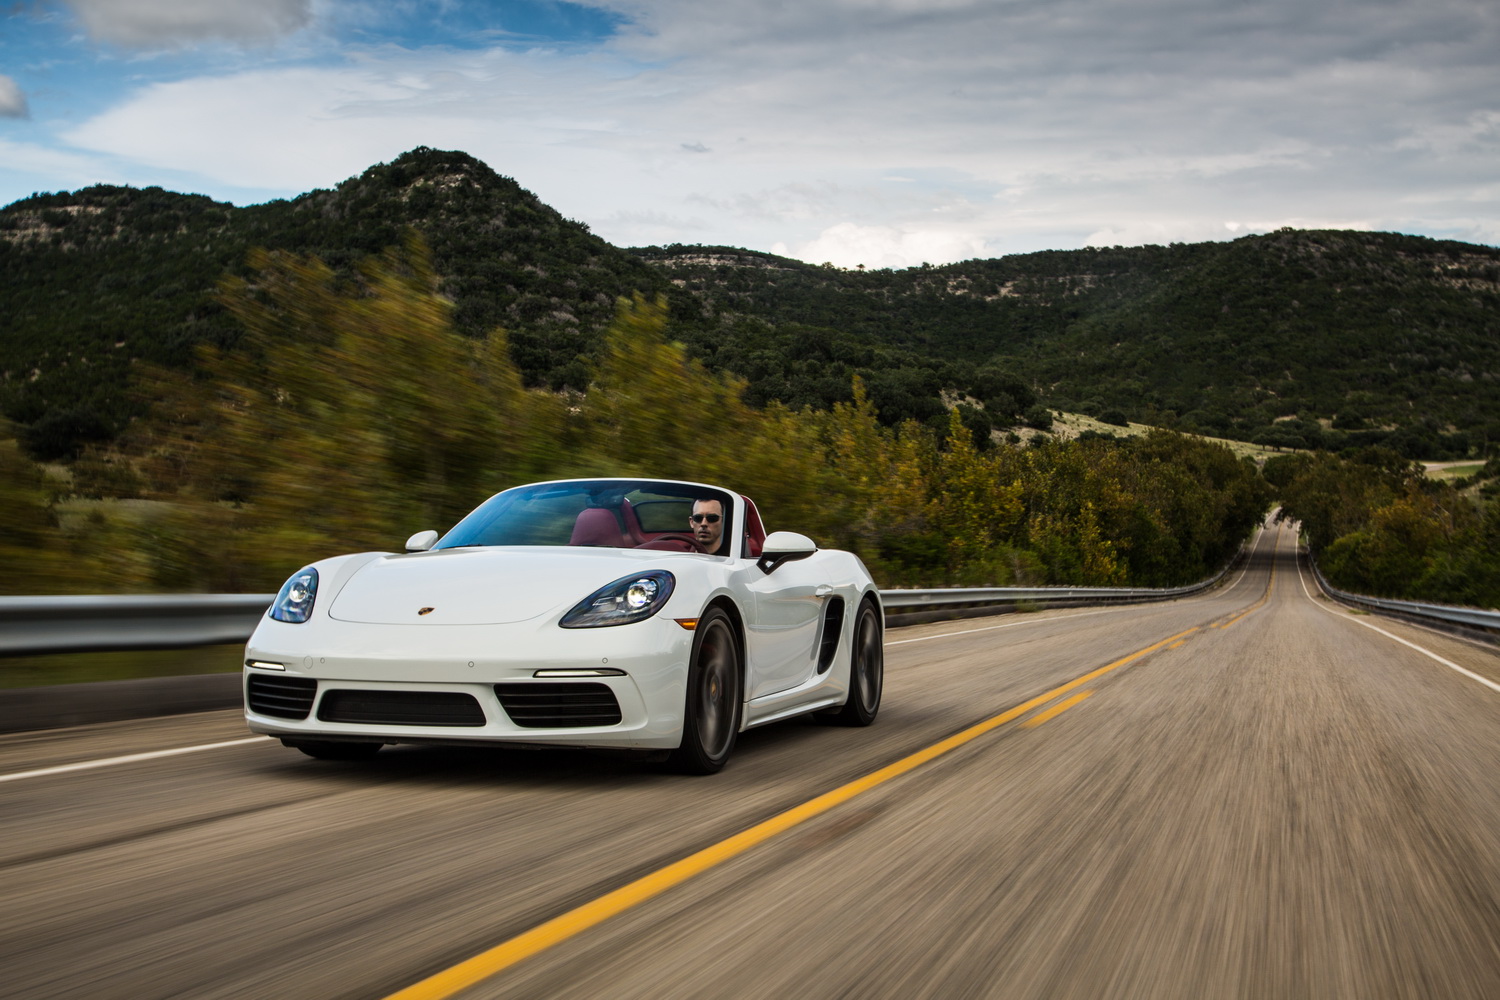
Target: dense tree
<point x="1379" y="526"/>
<point x="1337" y="340"/>
<point x="351" y="413"/>
<point x="1266" y="337"/>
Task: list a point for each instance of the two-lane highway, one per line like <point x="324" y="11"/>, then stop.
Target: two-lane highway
<point x="1248" y="793"/>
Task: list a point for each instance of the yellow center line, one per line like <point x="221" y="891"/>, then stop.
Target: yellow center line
<point x="1055" y="710"/>
<point x="474" y="970"/>
<point x="1270" y="585"/>
<point x="1250" y="610"/>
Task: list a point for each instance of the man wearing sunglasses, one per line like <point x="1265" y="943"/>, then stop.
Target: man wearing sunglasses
<point x="707" y="524"/>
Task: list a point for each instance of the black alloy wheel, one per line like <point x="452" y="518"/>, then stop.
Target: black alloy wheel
<point x="711" y="716"/>
<point x="866" y="669"/>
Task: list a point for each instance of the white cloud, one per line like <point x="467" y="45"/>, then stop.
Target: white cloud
<point x="887" y="132"/>
<point x="150" y="24"/>
<point x="1479" y="131"/>
<point x="278" y="130"/>
<point x="12" y="99"/>
<point x="68" y="169"/>
<point x="296" y="128"/>
<point x="850" y="245"/>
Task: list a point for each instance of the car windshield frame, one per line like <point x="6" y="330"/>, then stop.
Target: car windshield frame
<point x="548" y="514"/>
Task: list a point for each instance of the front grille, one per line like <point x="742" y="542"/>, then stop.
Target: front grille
<point x="401" y="708"/>
<point x="283" y="697"/>
<point x="559" y="706"/>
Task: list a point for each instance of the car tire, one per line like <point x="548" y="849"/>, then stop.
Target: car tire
<point x="711" y="713"/>
<point x="335" y="750"/>
<point x="866" y="670"/>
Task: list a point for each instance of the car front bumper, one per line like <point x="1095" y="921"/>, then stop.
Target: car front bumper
<point x="438" y="683"/>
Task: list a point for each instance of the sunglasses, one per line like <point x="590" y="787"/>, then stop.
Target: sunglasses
<point x="704" y="518"/>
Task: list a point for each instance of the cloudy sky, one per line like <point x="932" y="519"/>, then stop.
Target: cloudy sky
<point x="876" y="132"/>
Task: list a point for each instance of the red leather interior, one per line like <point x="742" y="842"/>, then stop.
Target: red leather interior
<point x="755" y="532"/>
<point x="597" y="526"/>
<point x="622" y="529"/>
<point x="632" y="523"/>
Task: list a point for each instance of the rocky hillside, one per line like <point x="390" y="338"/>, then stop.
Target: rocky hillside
<point x="1293" y="338"/>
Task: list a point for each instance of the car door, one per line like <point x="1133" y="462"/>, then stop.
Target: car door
<point x="786" y="608"/>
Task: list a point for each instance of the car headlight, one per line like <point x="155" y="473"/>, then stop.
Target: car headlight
<point x="629" y="599"/>
<point x="295" y="602"/>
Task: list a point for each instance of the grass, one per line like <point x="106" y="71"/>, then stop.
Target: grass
<point x="1452" y="470"/>
<point x="80" y="668"/>
<point x="1069" y="425"/>
<point x="133" y="513"/>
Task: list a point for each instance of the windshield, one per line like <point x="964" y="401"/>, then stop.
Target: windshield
<point x="610" y="513"/>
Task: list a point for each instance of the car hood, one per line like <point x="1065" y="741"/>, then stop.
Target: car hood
<point x="482" y="586"/>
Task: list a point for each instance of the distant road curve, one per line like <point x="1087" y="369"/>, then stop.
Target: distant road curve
<point x="1248" y="793"/>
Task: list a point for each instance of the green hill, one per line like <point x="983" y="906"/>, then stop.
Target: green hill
<point x="1296" y="339"/>
<point x="1299" y="339"/>
<point x="93" y="280"/>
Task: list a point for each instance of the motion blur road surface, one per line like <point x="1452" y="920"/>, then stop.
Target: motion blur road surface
<point x="1263" y="797"/>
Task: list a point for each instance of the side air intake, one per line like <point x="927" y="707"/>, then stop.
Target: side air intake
<point x="559" y="706"/>
<point x="281" y="697"/>
<point x="833" y="627"/>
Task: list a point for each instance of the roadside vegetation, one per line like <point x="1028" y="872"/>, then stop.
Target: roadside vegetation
<point x="1378" y="525"/>
<point x="82" y="668"/>
<point x="351" y="414"/>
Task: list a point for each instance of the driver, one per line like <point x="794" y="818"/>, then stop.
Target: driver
<point x="707" y="524"/>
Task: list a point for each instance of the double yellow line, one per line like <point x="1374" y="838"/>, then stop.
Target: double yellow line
<point x="1270" y="585"/>
<point x="1055" y="710"/>
<point x="474" y="970"/>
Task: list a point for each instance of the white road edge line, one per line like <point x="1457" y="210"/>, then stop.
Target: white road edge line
<point x="1425" y="652"/>
<point x="157" y="754"/>
<point x="1082" y="614"/>
<point x="127" y="759"/>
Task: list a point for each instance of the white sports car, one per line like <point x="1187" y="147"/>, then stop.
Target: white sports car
<point x="625" y="613"/>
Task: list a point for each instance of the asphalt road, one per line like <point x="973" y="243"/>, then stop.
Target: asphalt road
<point x="1252" y="793"/>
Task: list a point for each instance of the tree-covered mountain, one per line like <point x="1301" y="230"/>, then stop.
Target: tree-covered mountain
<point x="93" y="280"/>
<point x="1293" y="338"/>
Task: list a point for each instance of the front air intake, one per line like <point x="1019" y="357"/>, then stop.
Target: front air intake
<point x="281" y="697"/>
<point x="401" y="708"/>
<point x="559" y="706"/>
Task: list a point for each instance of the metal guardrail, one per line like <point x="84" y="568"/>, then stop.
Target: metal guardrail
<point x="40" y="625"/>
<point x="1470" y="618"/>
<point x="43" y="625"/>
<point x="909" y="606"/>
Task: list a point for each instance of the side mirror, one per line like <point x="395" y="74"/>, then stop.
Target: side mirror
<point x="422" y="541"/>
<point x="784" y="546"/>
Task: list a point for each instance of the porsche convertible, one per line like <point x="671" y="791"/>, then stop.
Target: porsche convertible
<point x="636" y="614"/>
